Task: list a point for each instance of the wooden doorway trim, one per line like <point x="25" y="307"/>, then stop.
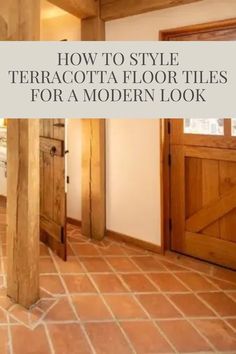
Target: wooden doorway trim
<point x="168" y="35"/>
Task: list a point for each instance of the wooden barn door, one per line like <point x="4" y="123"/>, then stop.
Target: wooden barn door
<point x="203" y="189"/>
<point x="52" y="185"/>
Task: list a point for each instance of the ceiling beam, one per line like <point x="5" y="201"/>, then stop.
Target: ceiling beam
<point x="78" y="8"/>
<point x="114" y="9"/>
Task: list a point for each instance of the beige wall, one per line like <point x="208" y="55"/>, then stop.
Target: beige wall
<point x="61" y="27"/>
<point x="133" y="149"/>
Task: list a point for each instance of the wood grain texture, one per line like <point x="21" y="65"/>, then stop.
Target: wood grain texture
<point x="93" y="178"/>
<point x="52" y="185"/>
<point x="78" y="8"/>
<point x="211" y="249"/>
<point x="24" y="20"/>
<point x="217" y="30"/>
<point x="93" y="153"/>
<point x="23" y="211"/>
<point x="93" y="29"/>
<point x="23" y="177"/>
<point x="114" y="9"/>
<point x="211" y="212"/>
<point x="3" y="29"/>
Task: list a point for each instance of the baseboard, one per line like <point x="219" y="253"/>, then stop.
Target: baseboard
<point x="134" y="241"/>
<point x="73" y="221"/>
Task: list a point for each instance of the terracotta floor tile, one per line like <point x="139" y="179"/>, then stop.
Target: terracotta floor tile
<point x="224" y="274"/>
<point x="148" y="263"/>
<point x="221" y="303"/>
<point x="190" y="305"/>
<point x="61" y="311"/>
<point x="109" y="283"/>
<point x="232" y="294"/>
<point x="183" y="336"/>
<point x="68" y="339"/>
<point x="224" y="285"/>
<point x="232" y="322"/>
<point x="218" y="333"/>
<point x="158" y="306"/>
<point x="172" y="266"/>
<point x="107" y="338"/>
<point x="195" y="281"/>
<point x="70" y="251"/>
<point x="146" y="338"/>
<point x="122" y="264"/>
<point x="133" y="251"/>
<point x="44" y="250"/>
<point x="26" y="341"/>
<point x="3" y="317"/>
<point x="167" y="282"/>
<point x="96" y="265"/>
<point x="125" y="307"/>
<point x="72" y="265"/>
<point x="87" y="249"/>
<point x="46" y="265"/>
<point x="4" y="345"/>
<point x="91" y="307"/>
<point x="138" y="283"/>
<point x="191" y="263"/>
<point x="112" y="250"/>
<point x="78" y="283"/>
<point x="52" y="283"/>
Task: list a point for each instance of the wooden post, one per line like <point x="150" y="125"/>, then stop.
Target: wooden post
<point x="23" y="211"/>
<point x="23" y="177"/>
<point x="3" y="29"/>
<point x="93" y="153"/>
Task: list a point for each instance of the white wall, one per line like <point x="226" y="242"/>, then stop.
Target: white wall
<point x="74" y="168"/>
<point x="133" y="181"/>
<point x="133" y="147"/>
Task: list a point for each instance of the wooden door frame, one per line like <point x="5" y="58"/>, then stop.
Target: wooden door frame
<point x="166" y="35"/>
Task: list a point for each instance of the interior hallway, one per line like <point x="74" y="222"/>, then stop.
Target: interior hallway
<point x="113" y="298"/>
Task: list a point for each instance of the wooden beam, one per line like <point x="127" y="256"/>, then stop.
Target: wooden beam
<point x="78" y="8"/>
<point x="23" y="211"/>
<point x="3" y="29"/>
<point x="24" y="20"/>
<point x="93" y="154"/>
<point x="23" y="177"/>
<point x="114" y="9"/>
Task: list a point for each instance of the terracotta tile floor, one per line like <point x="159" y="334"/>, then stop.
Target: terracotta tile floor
<point x="112" y="298"/>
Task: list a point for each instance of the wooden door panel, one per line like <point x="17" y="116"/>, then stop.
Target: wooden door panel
<point x="203" y="203"/>
<point x="227" y="182"/>
<point x="52" y="185"/>
<point x="210" y="192"/>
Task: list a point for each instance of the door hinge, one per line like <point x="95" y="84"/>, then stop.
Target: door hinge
<point x="59" y="125"/>
<point x="168" y="127"/>
<point x="169" y="159"/>
<point x="67" y="179"/>
<point x="170" y="224"/>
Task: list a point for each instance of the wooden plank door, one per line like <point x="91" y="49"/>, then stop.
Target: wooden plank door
<point x="52" y="185"/>
<point x="203" y="189"/>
